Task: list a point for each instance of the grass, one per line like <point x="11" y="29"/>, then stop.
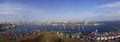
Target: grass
<point x="52" y="37"/>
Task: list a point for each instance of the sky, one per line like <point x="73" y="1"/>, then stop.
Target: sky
<point x="36" y="10"/>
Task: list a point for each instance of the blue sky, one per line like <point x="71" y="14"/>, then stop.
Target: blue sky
<point x="93" y="10"/>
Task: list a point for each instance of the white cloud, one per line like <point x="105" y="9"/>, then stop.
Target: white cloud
<point x="9" y="8"/>
<point x="110" y="5"/>
<point x="105" y="15"/>
<point x="16" y="11"/>
<point x="111" y="13"/>
<point x="15" y="8"/>
<point x="118" y="12"/>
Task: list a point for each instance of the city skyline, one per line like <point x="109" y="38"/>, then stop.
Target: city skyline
<point x="93" y="10"/>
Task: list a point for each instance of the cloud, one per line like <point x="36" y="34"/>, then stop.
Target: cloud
<point x="111" y="11"/>
<point x="106" y="15"/>
<point x="118" y="12"/>
<point x="15" y="8"/>
<point x="110" y="5"/>
<point x="10" y="8"/>
<point x="16" y="11"/>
